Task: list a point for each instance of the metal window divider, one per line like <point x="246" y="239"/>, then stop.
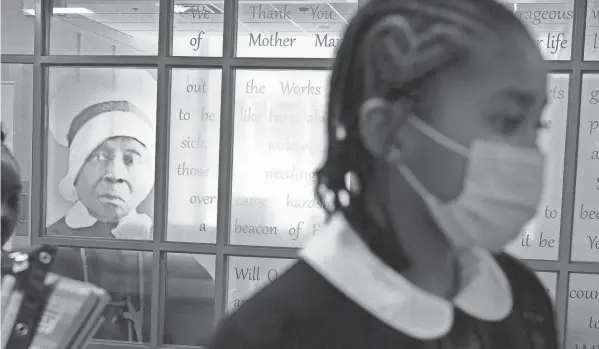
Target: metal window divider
<point x="570" y="170"/>
<point x="159" y="260"/>
<point x="225" y="158"/>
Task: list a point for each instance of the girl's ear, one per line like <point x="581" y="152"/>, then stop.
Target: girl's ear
<point x="379" y="122"/>
<point x="373" y="121"/>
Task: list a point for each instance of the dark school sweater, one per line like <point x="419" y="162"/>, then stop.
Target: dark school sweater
<point x="304" y="310"/>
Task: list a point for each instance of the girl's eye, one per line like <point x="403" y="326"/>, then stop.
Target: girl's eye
<point x="510" y="124"/>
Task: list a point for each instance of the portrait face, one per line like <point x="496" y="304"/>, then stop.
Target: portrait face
<point x="11" y="191"/>
<point x="497" y="94"/>
<point x="116" y="177"/>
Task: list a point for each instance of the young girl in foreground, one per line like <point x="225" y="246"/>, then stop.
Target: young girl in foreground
<point x="433" y="114"/>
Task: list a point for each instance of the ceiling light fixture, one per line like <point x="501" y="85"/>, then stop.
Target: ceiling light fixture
<point x="62" y="11"/>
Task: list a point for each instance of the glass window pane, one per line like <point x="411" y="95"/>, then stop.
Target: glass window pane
<point x="550" y="24"/>
<point x="189" y="312"/>
<point x="102" y="27"/>
<point x="194" y="143"/>
<point x="585" y="239"/>
<point x="280" y="135"/>
<point x="198" y="28"/>
<point x="540" y="237"/>
<point x="307" y="29"/>
<point x="549" y="280"/>
<point x="17" y="123"/>
<point x="101" y="153"/>
<point x="127" y="276"/>
<point x="247" y="275"/>
<point x="17" y="26"/>
<point x="582" y="329"/>
<point x="591" y="45"/>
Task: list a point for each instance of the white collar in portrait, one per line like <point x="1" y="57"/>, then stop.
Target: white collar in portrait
<point x="134" y="226"/>
<point x="342" y="258"/>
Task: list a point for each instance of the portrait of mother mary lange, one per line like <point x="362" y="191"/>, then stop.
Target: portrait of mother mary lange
<point x="110" y="136"/>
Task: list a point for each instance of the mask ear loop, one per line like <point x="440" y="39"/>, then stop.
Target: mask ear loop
<point x="408" y="175"/>
<point x="439" y="137"/>
<point x="392" y="153"/>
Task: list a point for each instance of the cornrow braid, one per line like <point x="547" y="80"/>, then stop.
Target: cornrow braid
<point x="389" y="51"/>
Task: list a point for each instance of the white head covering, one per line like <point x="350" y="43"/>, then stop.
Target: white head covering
<point x="99" y="104"/>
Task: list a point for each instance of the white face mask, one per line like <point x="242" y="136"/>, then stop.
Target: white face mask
<point x="502" y="190"/>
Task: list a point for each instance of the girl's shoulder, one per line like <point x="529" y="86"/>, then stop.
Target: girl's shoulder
<point x="282" y="312"/>
<point x="532" y="303"/>
<point x="523" y="280"/>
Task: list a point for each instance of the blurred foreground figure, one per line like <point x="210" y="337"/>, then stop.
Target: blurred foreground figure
<point x="433" y="113"/>
<point x="11" y="192"/>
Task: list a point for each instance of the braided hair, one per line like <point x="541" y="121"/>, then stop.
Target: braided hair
<point x="389" y="51"/>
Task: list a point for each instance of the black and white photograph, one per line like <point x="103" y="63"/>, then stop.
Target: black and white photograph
<point x="102" y="127"/>
<point x="300" y="174"/>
